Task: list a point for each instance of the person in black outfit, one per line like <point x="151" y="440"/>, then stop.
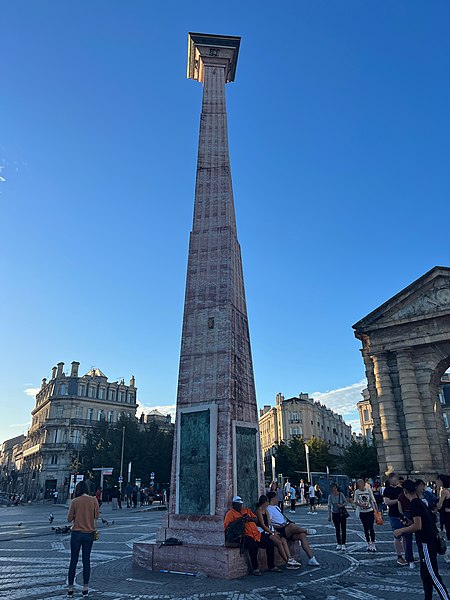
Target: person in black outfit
<point x="426" y="538"/>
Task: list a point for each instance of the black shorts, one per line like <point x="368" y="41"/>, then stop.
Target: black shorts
<point x="282" y="531"/>
<point x="312" y="501"/>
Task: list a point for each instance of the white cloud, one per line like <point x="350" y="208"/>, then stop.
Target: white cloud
<point x="31" y="391"/>
<point x="24" y="425"/>
<point x="169" y="409"/>
<point x="343" y="401"/>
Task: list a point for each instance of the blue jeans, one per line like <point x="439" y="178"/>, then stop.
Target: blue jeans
<point x="407" y="538"/>
<point x="79" y="539"/>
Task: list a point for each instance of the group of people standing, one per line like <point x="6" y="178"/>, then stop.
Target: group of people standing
<point x="303" y="493"/>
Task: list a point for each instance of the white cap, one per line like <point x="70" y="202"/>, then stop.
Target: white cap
<point x="238" y="500"/>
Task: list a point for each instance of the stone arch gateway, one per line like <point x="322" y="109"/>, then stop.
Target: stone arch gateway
<point x="406" y="349"/>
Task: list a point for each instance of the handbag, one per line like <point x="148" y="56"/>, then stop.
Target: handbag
<point x="378" y="517"/>
<point x="343" y="510"/>
<point x="441" y="544"/>
<point x="95" y="535"/>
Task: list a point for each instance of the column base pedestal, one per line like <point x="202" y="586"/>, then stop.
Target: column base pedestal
<point x="213" y="561"/>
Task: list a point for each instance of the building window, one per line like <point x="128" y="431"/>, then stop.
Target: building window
<point x="81" y="390"/>
<point x="130" y="398"/>
<point x="79" y="412"/>
<point x="59" y="411"/>
<point x="54" y="460"/>
<point x="102" y="393"/>
<point x="366" y="415"/>
<point x="63" y="389"/>
<point x="90" y="414"/>
<point x="111" y="395"/>
<point x="92" y="392"/>
<point x="295" y="430"/>
<point x="101" y="415"/>
<point x="110" y="416"/>
<point x="122" y="396"/>
<point x="76" y="437"/>
<point x="445" y="420"/>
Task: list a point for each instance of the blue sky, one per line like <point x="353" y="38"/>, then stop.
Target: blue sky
<point x="339" y="129"/>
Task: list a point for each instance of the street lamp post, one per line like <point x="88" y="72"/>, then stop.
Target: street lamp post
<point x="308" y="468"/>
<point x="121" y="459"/>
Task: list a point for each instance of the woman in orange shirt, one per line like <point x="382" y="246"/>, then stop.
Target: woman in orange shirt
<point x="83" y="512"/>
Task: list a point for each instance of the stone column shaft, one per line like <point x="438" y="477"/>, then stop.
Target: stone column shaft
<point x="390" y="429"/>
<point x="412" y="409"/>
<point x="371" y="386"/>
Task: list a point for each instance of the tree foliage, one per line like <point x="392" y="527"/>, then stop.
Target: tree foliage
<point x="360" y="460"/>
<point x="148" y="449"/>
<point x="291" y="457"/>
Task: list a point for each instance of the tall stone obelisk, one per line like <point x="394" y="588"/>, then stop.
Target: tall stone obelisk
<point x="217" y="448"/>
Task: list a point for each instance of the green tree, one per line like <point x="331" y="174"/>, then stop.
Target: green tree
<point x="360" y="460"/>
<point x="291" y="457"/>
<point x="148" y="449"/>
<point x="319" y="455"/>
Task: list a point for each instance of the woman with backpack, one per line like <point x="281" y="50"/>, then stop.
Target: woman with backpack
<point x="338" y="514"/>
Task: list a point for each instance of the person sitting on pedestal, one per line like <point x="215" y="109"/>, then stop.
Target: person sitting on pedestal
<point x="253" y="539"/>
<point x="290" y="530"/>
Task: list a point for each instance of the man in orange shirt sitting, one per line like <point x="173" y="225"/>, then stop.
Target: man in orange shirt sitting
<point x="253" y="539"/>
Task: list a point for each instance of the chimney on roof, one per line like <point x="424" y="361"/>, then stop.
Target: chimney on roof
<point x="44" y="383"/>
<point x="53" y="372"/>
<point x="60" y="369"/>
<point x="74" y="370"/>
<point x="280" y="398"/>
<point x="132" y="381"/>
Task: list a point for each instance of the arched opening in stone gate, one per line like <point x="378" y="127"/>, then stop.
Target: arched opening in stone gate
<point x="406" y="351"/>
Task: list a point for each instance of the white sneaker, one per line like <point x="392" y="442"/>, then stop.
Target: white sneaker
<point x="312" y="562"/>
<point x="291" y="566"/>
<point x="343" y="547"/>
<point x="292" y="511"/>
<point x="311" y="531"/>
<point x="309" y="513"/>
<point x="412" y="565"/>
<point x="294" y="562"/>
<point x="338" y="547"/>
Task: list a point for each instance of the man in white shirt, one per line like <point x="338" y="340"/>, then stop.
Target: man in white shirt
<point x="312" y="500"/>
<point x="290" y="530"/>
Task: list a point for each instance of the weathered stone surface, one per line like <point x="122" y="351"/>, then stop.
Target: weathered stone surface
<point x="214" y="561"/>
<point x="406" y="349"/>
<point x="216" y="371"/>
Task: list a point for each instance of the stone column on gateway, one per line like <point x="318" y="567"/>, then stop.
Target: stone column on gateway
<point x="216" y="448"/>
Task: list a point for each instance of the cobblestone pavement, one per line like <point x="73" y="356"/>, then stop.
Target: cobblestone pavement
<point x="34" y="561"/>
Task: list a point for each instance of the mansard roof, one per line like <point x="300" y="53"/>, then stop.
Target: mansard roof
<point x="94" y="372"/>
<point x="427" y="297"/>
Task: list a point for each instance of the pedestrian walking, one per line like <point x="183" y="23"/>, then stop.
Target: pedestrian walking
<point x="427" y="542"/>
<point x="365" y="509"/>
<point x="312" y="500"/>
<point x="293" y="493"/>
<point x="83" y="512"/>
<point x="55" y="496"/>
<point x="405" y="517"/>
<point x="115" y="498"/>
<point x="98" y="495"/>
<point x="390" y="497"/>
<point x="318" y="493"/>
<point x="280" y="498"/>
<point x="444" y="503"/>
<point x="301" y="489"/>
<point x="338" y="514"/>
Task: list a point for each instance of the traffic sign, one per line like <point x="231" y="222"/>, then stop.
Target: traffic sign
<point x="152" y="475"/>
<point x="120" y="478"/>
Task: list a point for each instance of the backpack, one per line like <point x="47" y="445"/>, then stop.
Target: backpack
<point x="234" y="533"/>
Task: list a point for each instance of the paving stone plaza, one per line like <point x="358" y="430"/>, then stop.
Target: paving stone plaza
<point x="34" y="563"/>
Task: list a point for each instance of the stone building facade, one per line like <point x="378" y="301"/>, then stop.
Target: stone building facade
<point x="365" y="415"/>
<point x="406" y="351"/>
<point x="67" y="408"/>
<point x="301" y="416"/>
<point x="11" y="457"/>
<point x="155" y="417"/>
